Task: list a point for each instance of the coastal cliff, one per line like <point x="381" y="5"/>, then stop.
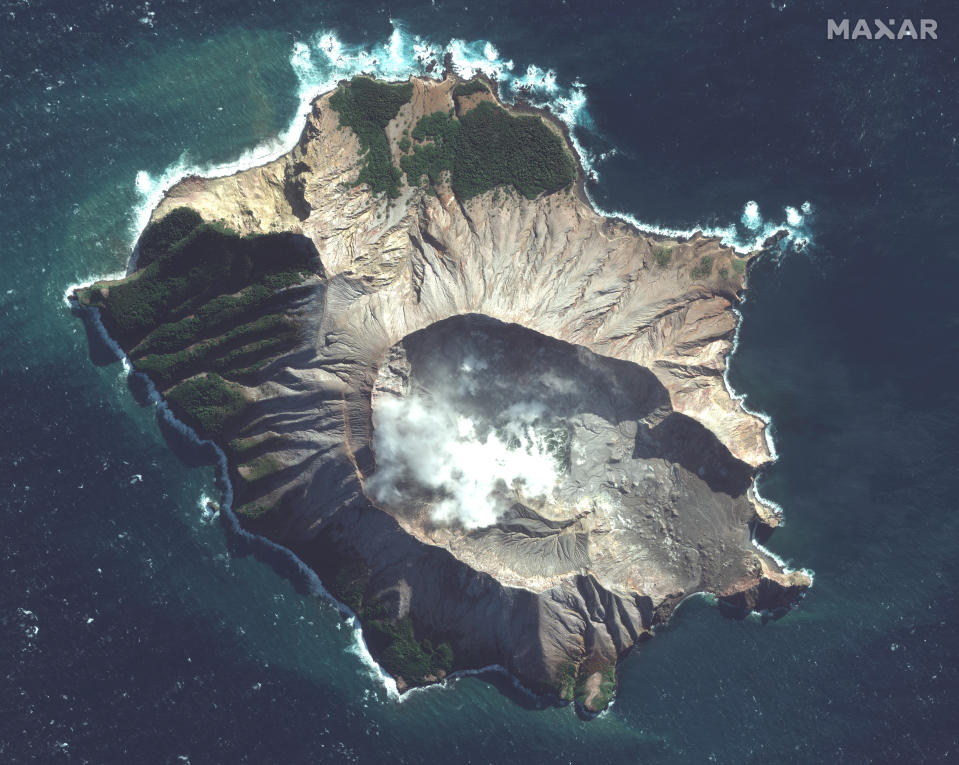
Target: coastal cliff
<point x="420" y="277"/>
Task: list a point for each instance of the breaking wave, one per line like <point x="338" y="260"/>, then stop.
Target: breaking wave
<point x="319" y="63"/>
<point x="323" y="59"/>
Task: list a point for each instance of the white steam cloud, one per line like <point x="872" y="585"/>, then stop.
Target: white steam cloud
<point x="425" y="450"/>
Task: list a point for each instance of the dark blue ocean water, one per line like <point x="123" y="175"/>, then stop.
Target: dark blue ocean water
<point x="134" y="628"/>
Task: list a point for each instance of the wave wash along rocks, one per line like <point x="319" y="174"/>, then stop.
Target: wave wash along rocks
<point x="493" y="421"/>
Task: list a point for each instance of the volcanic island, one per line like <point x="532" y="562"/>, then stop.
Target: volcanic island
<point x="492" y="420"/>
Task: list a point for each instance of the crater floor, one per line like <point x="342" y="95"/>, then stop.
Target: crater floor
<point x="495" y="423"/>
<point x="533" y="459"/>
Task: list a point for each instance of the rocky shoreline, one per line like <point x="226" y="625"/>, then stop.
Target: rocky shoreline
<point x="381" y="291"/>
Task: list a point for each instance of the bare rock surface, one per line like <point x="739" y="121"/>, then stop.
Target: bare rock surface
<point x="570" y="313"/>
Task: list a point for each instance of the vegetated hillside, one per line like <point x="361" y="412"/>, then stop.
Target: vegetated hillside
<point x="205" y="311"/>
<point x="488" y="147"/>
<point x="485" y="148"/>
<point x="470" y="88"/>
<point x="366" y="107"/>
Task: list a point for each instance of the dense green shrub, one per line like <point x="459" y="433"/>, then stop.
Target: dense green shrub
<point x="606" y="690"/>
<point x="494" y="148"/>
<point x="207" y="403"/>
<point x="194" y="276"/>
<point x="436" y="135"/>
<point x="233" y="349"/>
<point x="400" y="653"/>
<point x="566" y="681"/>
<point x="442" y="657"/>
<point x="487" y="147"/>
<point x="262" y="467"/>
<point x="470" y="88"/>
<point x="158" y="237"/>
<point x="366" y="107"/>
<point x="206" y="311"/>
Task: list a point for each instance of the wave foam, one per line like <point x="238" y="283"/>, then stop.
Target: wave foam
<point x="319" y="64"/>
<point x="316" y="588"/>
<point x="321" y="61"/>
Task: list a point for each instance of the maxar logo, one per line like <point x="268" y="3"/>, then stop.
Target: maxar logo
<point x="880" y="30"/>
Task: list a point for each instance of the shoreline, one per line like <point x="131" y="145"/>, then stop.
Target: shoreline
<point x="272" y="150"/>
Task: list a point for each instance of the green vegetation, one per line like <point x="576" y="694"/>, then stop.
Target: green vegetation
<point x="208" y="263"/>
<point x="348" y="581"/>
<point x="557" y="443"/>
<point x="566" y="681"/>
<point x="607" y="688"/>
<point x="225" y="353"/>
<point x="262" y="467"/>
<point x="159" y="237"/>
<point x="206" y="312"/>
<point x="401" y="654"/>
<point x="207" y="403"/>
<point x="496" y="149"/>
<point x="739" y="265"/>
<point x="724" y="273"/>
<point x="436" y="136"/>
<point x="392" y="641"/>
<point x="241" y="447"/>
<point x="662" y="256"/>
<point x="366" y="107"/>
<point x="470" y="88"/>
<point x="704" y="269"/>
<point x="253" y="511"/>
<point x="487" y="148"/>
<point x="572" y="682"/>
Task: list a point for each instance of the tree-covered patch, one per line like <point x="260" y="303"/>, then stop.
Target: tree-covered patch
<point x="208" y="263"/>
<point x="394" y="642"/>
<point x="207" y="312"/>
<point x="565" y="683"/>
<point x="207" y="403"/>
<point x="470" y="88"/>
<point x="488" y="147"/>
<point x="159" y="237"/>
<point x="485" y="148"/>
<point x="227" y="353"/>
<point x="436" y="143"/>
<point x="396" y="647"/>
<point x="604" y="692"/>
<point x="366" y="107"/>
<point x="496" y="149"/>
<point x="262" y="467"/>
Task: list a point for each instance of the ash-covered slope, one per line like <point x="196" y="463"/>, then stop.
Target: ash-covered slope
<point x="631" y="488"/>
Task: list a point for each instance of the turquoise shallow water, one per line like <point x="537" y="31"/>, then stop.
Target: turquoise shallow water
<point x="134" y="627"/>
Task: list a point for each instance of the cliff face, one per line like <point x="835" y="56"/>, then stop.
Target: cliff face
<point x="651" y="499"/>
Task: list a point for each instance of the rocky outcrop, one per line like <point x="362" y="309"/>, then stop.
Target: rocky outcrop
<point x="653" y="503"/>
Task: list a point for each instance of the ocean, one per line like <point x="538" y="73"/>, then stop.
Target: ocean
<point x="136" y="626"/>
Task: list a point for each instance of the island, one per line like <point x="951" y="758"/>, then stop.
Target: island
<point x="492" y="420"/>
